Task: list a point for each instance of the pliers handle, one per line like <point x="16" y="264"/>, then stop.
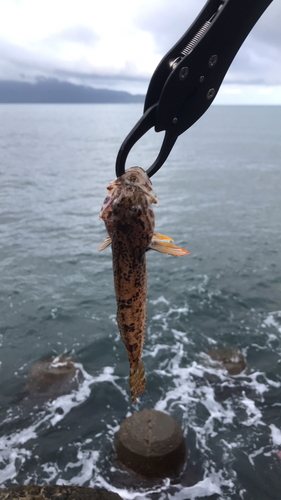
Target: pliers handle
<point x="188" y="78"/>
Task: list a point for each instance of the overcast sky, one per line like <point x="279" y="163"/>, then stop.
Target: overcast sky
<point x="118" y="43"/>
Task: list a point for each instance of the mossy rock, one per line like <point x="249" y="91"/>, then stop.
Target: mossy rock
<point x="52" y="377"/>
<point x="54" y="492"/>
<point x="233" y="361"/>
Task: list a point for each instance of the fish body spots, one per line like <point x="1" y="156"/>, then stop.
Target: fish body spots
<point x="132" y="347"/>
<point x="129" y="220"/>
<point x="125" y="306"/>
<point x="126" y="277"/>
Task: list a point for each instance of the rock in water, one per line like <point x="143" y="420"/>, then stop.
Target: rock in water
<point x="151" y="443"/>
<point x="233" y="361"/>
<point x="51" y="378"/>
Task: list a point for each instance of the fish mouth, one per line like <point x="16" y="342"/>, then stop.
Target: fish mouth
<point x="135" y="177"/>
<point x="150" y="194"/>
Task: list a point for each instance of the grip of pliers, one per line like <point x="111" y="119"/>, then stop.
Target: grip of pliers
<point x="188" y="78"/>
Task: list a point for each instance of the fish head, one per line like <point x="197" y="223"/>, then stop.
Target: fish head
<point x="129" y="202"/>
<point x="136" y="178"/>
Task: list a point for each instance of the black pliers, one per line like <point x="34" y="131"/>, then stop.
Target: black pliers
<point x="188" y="78"/>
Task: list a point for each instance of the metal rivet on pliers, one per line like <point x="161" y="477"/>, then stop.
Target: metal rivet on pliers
<point x="210" y="93"/>
<point x="213" y="60"/>
<point x="183" y="73"/>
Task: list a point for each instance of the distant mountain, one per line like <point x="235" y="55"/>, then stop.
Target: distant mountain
<point x="55" y="91"/>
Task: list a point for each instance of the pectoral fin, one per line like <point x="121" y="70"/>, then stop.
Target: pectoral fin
<point x="105" y="244"/>
<point x="163" y="244"/>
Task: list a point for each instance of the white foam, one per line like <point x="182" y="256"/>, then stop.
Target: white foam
<point x="155" y="350"/>
<point x="254" y="414"/>
<point x="274" y="319"/>
<point x="205" y="488"/>
<point x="57" y="362"/>
<point x="275" y="434"/>
<point x="253" y="455"/>
<point x="86" y="461"/>
<point x="52" y="471"/>
<point x="164" y="317"/>
<point x="159" y="300"/>
<point x="62" y="405"/>
<point x="192" y="396"/>
<point x="182" y="336"/>
<point x="189" y="388"/>
<point x="126" y="494"/>
<point x="11" y="446"/>
<point x="10" y="470"/>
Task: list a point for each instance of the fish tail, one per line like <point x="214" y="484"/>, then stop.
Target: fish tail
<point x="137" y="381"/>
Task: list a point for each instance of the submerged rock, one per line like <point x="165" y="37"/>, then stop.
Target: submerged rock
<point x="233" y="361"/>
<point x="151" y="443"/>
<point x="51" y="378"/>
<point x="53" y="492"/>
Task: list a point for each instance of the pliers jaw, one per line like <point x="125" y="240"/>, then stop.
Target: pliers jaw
<point x="188" y="78"/>
<point x="147" y="121"/>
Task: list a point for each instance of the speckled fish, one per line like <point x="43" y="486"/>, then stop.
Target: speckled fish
<point x="129" y="220"/>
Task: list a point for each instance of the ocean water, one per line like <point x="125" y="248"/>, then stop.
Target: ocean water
<point x="219" y="197"/>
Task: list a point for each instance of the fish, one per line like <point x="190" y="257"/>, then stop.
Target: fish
<point x="129" y="220"/>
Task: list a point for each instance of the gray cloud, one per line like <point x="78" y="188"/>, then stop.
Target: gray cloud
<point x="44" y="57"/>
<point x="82" y="35"/>
<point x="18" y="63"/>
<point x="260" y="56"/>
<point x="114" y="81"/>
<point x="16" y="60"/>
<point x="258" y="61"/>
<point x="167" y="21"/>
<point x="267" y="28"/>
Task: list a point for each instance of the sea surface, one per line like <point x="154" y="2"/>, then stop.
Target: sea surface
<point x="219" y="197"/>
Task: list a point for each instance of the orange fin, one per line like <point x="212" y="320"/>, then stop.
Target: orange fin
<point x="105" y="244"/>
<point x="161" y="237"/>
<point x="137" y="382"/>
<point x="163" y="244"/>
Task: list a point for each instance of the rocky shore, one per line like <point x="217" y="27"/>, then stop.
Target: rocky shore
<point x="54" y="492"/>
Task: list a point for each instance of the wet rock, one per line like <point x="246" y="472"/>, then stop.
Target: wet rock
<point x="53" y="492"/>
<point x="233" y="361"/>
<point x="51" y="378"/>
<point x="151" y="443"/>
